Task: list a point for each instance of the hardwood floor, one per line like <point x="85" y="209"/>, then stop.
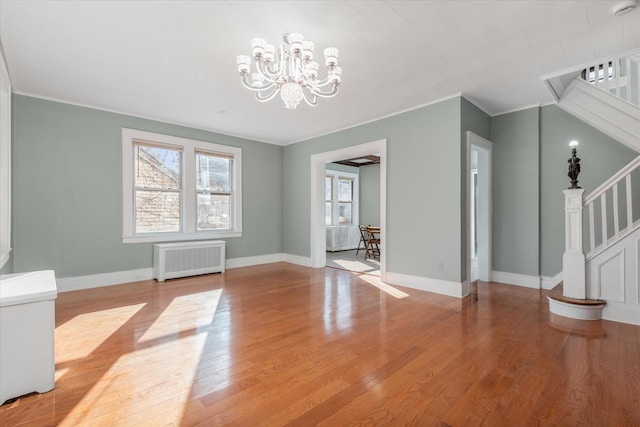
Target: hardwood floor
<point x="280" y="344"/>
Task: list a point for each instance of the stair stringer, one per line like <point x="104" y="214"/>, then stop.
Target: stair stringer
<point x="605" y="112"/>
<point x="612" y="275"/>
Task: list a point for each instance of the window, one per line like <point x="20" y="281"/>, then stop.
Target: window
<point x="177" y="189"/>
<point x="328" y="197"/>
<point x="345" y="201"/>
<point x="341" y="196"/>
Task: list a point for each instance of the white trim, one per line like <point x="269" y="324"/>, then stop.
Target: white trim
<point x="575" y="311"/>
<point x="547" y="282"/>
<point x="318" y="240"/>
<point x="443" y="287"/>
<point x="624" y="313"/>
<point x="581" y="67"/>
<point x="253" y="260"/>
<point x="406" y="110"/>
<point x="484" y="167"/>
<point x="296" y="259"/>
<point x="188" y="214"/>
<point x="66" y="284"/>
<point x="605" y="112"/>
<point x="5" y="162"/>
<point x="140" y="116"/>
<point x="515" y="110"/>
<point x="516" y="279"/>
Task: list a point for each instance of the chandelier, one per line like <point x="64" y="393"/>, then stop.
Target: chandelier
<point x="290" y="71"/>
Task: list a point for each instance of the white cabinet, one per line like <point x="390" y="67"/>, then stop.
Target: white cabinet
<point x="341" y="237"/>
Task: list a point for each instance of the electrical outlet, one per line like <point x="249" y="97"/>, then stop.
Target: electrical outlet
<point x="441" y="266"/>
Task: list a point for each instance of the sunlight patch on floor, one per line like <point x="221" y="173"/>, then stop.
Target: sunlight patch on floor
<point x="185" y="313"/>
<point x="96" y="327"/>
<point x="352" y="265"/>
<point x="375" y="281"/>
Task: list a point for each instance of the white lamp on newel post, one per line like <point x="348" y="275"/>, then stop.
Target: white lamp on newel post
<point x="573" y="260"/>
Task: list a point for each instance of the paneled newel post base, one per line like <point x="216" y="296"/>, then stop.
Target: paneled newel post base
<point x="573" y="261"/>
<point x="569" y="298"/>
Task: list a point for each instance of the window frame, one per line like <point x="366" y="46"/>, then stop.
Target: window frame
<point x="189" y="207"/>
<point x="335" y="199"/>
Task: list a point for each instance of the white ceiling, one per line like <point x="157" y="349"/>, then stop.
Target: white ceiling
<point x="175" y="61"/>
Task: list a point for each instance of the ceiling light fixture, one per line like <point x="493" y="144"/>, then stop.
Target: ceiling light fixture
<point x="289" y="71"/>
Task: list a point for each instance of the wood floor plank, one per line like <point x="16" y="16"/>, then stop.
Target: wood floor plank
<point x="280" y="344"/>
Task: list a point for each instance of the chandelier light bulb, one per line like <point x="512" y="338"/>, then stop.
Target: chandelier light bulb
<point x="289" y="70"/>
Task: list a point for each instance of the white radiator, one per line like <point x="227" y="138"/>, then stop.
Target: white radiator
<point x="171" y="260"/>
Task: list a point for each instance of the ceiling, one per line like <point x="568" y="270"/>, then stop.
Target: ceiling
<point x="175" y="61"/>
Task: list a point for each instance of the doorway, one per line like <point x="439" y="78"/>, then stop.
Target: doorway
<point x="479" y="200"/>
<point x="317" y="199"/>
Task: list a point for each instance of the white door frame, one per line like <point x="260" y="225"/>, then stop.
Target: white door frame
<point x="484" y="149"/>
<point x="318" y="164"/>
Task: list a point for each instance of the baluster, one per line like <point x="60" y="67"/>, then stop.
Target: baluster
<point x="605" y="73"/>
<point x="616" y="224"/>
<point x="636" y="87"/>
<point x="616" y="75"/>
<point x="629" y="204"/>
<point x="603" y="210"/>
<point x="629" y="83"/>
<point x="592" y="230"/>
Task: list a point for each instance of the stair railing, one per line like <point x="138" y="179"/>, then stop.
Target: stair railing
<point x="609" y="206"/>
<point x="619" y="77"/>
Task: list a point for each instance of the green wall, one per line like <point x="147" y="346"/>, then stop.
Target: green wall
<point x="516" y="192"/>
<point x="67" y="203"/>
<point x="67" y="190"/>
<point x="423" y="148"/>
<point x="370" y="195"/>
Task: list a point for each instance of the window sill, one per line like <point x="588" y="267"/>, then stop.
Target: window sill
<point x="155" y="238"/>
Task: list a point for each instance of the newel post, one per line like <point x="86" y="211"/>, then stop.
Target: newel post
<point x="573" y="261"/>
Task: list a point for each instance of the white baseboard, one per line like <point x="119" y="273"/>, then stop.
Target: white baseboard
<point x="550" y="282"/>
<point x="66" y="284"/>
<point x="253" y="260"/>
<point x="516" y="279"/>
<point x="438" y="286"/>
<point x="296" y="259"/>
<point x="624" y="313"/>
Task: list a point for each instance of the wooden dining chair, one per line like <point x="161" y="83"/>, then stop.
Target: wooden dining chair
<point x="373" y="243"/>
<point x="363" y="237"/>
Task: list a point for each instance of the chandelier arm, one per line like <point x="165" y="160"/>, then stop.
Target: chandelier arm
<point x="261" y="97"/>
<point x="266" y="73"/>
<point x="310" y="97"/>
<point x="329" y="94"/>
<point x="245" y="82"/>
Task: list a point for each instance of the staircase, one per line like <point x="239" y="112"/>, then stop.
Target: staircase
<point x="605" y="94"/>
<point x="604" y="282"/>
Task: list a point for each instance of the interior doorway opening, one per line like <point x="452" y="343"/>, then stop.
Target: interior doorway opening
<point x="318" y="199"/>
<point x="479" y="200"/>
<point x="352" y="214"/>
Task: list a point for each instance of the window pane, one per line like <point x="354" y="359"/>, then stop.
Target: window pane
<point x="213" y="173"/>
<point x="346" y="190"/>
<point x="327" y="213"/>
<point x="344" y="213"/>
<point x="214" y="211"/>
<point x="157" y="211"/>
<point x="328" y="188"/>
<point x="157" y="167"/>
